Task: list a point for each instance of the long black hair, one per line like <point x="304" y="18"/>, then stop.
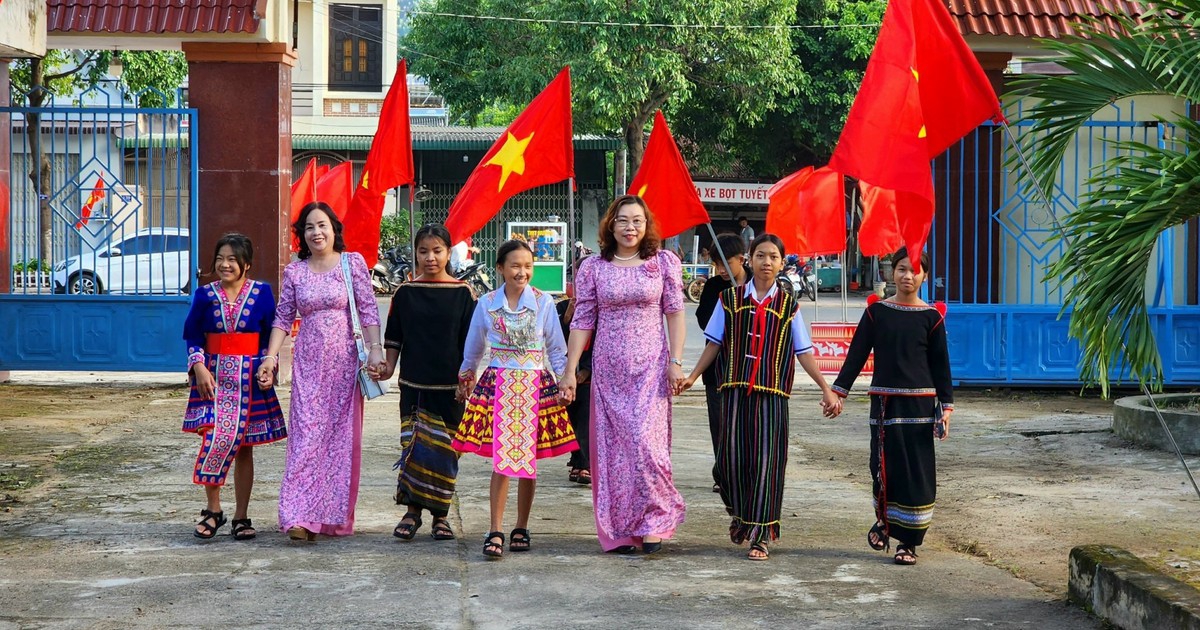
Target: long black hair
<point x="339" y="245"/>
<point x="767" y="237"/>
<point x="902" y="253"/>
<point x="509" y="247"/>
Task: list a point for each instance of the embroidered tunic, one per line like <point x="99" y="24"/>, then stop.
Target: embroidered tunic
<point x="229" y="337"/>
<point x="910" y="387"/>
<point x="761" y="339"/>
<point x="514" y="415"/>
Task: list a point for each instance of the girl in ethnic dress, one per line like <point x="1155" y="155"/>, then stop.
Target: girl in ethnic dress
<point x="427" y="327"/>
<point x="759" y="329"/>
<point x="622" y="297"/>
<point x="513" y="415"/>
<point x="227" y="330"/>
<point x="320" y="480"/>
<point x="911" y="402"/>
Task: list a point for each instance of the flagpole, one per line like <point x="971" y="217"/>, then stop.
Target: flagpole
<point x="721" y="253"/>
<point x="1054" y="217"/>
<point x="412" y="222"/>
<point x="846" y="251"/>
<point x="570" y="244"/>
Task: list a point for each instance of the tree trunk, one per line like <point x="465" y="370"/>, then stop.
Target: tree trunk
<point x="635" y="142"/>
<point x="39" y="165"/>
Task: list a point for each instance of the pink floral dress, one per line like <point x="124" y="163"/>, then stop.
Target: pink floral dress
<point x="320" y="481"/>
<point x="630" y="432"/>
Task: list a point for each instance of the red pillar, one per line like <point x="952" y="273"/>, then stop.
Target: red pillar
<point x="243" y="93"/>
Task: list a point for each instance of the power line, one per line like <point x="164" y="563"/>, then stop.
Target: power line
<point x="774" y="27"/>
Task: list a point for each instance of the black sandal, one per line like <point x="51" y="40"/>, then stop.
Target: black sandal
<point x="877" y="538"/>
<point x="585" y="477"/>
<point x="761" y="548"/>
<point x="519" y="536"/>
<point x="240" y="528"/>
<point x="406" y="531"/>
<point x="905" y="555"/>
<point x="441" y="529"/>
<point x="573" y="476"/>
<point x="217" y="518"/>
<point x="493" y="550"/>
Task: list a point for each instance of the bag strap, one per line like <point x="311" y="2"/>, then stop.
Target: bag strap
<point x="358" y="336"/>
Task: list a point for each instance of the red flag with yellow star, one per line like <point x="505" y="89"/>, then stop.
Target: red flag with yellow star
<point x="534" y="151"/>
<point x="389" y="165"/>
<point x="664" y="183"/>
<point x="922" y="92"/>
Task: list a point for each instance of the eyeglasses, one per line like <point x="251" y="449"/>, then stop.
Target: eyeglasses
<point x="624" y="223"/>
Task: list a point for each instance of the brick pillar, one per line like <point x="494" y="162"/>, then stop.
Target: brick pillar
<point x="243" y="93"/>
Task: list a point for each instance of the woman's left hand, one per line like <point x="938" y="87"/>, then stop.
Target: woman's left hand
<point x="945" y="424"/>
<point x="376" y="363"/>
<point x="677" y="379"/>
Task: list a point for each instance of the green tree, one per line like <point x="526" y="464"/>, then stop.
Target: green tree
<point x="831" y="47"/>
<point x="63" y="73"/>
<point x="1144" y="190"/>
<point x="620" y="74"/>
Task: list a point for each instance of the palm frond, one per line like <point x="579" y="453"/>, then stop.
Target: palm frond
<point x="1109" y="240"/>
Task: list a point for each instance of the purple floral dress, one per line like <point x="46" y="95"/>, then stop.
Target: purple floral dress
<point x="630" y="431"/>
<point x="320" y="481"/>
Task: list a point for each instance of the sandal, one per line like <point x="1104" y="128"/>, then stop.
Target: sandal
<point x="624" y="550"/>
<point x="243" y="529"/>
<point x="493" y="550"/>
<point x="585" y="477"/>
<point x="207" y="531"/>
<point x="763" y="552"/>
<point x="905" y="555"/>
<point x="573" y="476"/>
<point x="301" y="533"/>
<point x="877" y="538"/>
<point x="519" y="536"/>
<point x="441" y="529"/>
<point x="406" y="531"/>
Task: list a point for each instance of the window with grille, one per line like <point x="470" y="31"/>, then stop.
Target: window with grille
<point x="356" y="47"/>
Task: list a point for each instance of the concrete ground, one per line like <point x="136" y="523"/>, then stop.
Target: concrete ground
<point x="97" y="508"/>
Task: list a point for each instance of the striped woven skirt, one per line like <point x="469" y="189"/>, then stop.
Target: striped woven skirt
<point x="428" y="465"/>
<point x="904" y="473"/>
<point x="515" y="418"/>
<point x="751" y="462"/>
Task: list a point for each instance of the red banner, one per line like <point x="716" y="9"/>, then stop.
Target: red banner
<point x="831" y="341"/>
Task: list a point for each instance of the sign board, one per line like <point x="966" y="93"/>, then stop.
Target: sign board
<point x="732" y="193"/>
<point x="831" y="341"/>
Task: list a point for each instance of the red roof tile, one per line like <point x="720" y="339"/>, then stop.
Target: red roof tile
<point x="1036" y="18"/>
<point x="154" y="16"/>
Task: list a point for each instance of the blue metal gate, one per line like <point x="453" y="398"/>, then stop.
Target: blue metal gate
<point x="101" y="257"/>
<point x="991" y="243"/>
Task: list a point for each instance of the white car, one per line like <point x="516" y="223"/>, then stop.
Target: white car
<point x="151" y="261"/>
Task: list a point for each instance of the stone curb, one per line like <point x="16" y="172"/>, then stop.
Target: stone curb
<point x="1124" y="591"/>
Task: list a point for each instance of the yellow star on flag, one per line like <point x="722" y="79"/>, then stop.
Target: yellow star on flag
<point x="364" y="180"/>
<point x="642" y="190"/>
<point x="917" y="78"/>
<point x="510" y="158"/>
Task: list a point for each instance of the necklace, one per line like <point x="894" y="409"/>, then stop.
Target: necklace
<point x="630" y="257"/>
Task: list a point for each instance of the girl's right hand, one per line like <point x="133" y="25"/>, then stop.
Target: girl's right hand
<point x="687" y="384"/>
<point x="206" y="385"/>
<point x="384" y="373"/>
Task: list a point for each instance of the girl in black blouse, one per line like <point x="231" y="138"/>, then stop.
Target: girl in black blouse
<point x="911" y="402"/>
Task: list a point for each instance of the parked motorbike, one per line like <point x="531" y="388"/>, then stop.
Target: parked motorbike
<point x="476" y="277"/>
<point x="799" y="279"/>
<point x="392" y="270"/>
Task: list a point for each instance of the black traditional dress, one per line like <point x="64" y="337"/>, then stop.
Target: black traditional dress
<point x="709" y="299"/>
<point x="428" y="323"/>
<point x="761" y="339"/>
<point x="910" y="388"/>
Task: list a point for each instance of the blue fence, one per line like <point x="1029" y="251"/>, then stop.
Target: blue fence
<point x="100" y="248"/>
<point x="991" y="244"/>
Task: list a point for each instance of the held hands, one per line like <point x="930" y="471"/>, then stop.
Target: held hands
<point x="566" y="387"/>
<point x="376" y="363"/>
<point x="465" y="386"/>
<point x="686" y="384"/>
<point x="675" y="373"/>
<point x="206" y="385"/>
<point x="831" y="404"/>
